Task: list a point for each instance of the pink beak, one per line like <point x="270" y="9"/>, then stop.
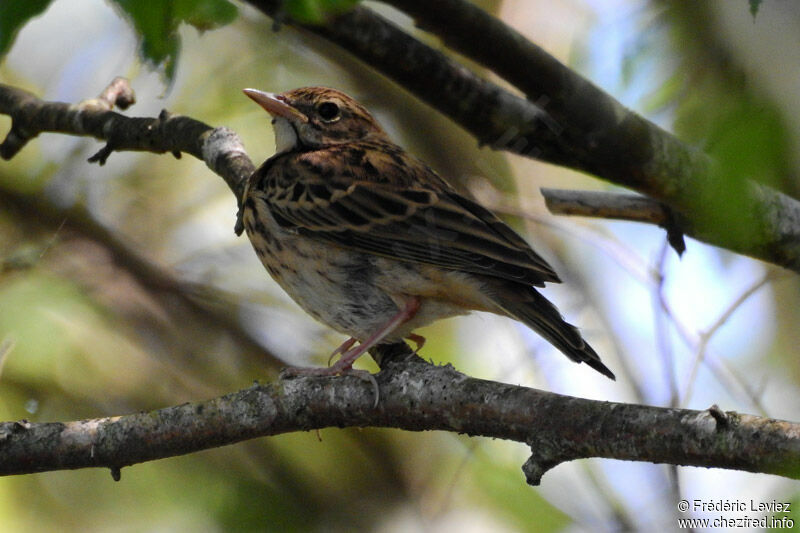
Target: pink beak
<point x="275" y="105"/>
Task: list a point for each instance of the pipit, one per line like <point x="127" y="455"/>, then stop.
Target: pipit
<point x="371" y="241"/>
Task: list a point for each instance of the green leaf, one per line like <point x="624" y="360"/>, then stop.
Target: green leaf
<point x="747" y="139"/>
<point x="754" y="5"/>
<point x="157" y="24"/>
<point x="205" y="14"/>
<point x="317" y="11"/>
<point x="13" y="15"/>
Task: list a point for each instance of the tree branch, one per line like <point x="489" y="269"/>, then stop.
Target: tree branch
<point x="616" y="206"/>
<point x="572" y="123"/>
<point x="609" y="205"/>
<point x="220" y="148"/>
<point x="414" y="396"/>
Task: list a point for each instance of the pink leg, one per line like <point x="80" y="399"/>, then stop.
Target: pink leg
<point x="419" y="340"/>
<point x="345" y="363"/>
<point x="348" y="358"/>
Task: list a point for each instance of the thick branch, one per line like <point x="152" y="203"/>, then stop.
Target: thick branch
<point x="415" y="396"/>
<point x="573" y="122"/>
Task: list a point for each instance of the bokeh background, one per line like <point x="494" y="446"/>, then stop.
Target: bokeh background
<point x="123" y="287"/>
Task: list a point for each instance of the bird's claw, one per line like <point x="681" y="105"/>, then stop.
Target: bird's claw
<point x="419" y="340"/>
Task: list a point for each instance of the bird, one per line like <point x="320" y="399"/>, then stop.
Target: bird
<point x="372" y="242"/>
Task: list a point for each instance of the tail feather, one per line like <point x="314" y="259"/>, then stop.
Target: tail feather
<point x="537" y="312"/>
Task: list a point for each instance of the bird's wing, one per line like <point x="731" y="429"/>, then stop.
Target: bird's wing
<point x="410" y="223"/>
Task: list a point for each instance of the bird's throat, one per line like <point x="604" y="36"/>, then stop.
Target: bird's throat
<point x="285" y="135"/>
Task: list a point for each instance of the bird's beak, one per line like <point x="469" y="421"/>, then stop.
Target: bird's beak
<point x="275" y="105"/>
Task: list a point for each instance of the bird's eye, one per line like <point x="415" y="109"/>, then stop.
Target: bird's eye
<point x="328" y="111"/>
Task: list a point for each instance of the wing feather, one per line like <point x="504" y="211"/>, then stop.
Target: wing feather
<point x="439" y="227"/>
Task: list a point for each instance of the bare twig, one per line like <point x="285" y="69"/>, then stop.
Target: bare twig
<point x="616" y="206"/>
<point x="660" y="326"/>
<point x="609" y="205"/>
<point x="6" y="345"/>
<point x="731" y="380"/>
<point x="706" y="336"/>
<point x="220" y="148"/>
<point x="617" y="251"/>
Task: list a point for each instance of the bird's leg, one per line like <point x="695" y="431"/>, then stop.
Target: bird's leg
<point x="345" y="363"/>
<point x="404" y="315"/>
<point x="419" y="340"/>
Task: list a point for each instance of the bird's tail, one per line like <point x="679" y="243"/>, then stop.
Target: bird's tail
<point x="535" y="311"/>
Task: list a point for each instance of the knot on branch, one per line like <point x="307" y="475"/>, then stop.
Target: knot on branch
<point x="7" y="429"/>
<point x="542" y="459"/>
<point x="720" y="417"/>
<point x="673" y="225"/>
<point x="14" y="142"/>
<point x="21" y="113"/>
<point x="118" y="93"/>
<point x="133" y="133"/>
<point x="398" y="352"/>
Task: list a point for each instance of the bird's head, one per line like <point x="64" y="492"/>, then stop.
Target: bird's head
<point x="315" y="117"/>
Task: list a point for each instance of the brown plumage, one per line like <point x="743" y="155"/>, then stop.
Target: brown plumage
<point x="372" y="242"/>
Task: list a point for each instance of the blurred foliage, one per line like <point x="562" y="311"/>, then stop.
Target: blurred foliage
<point x="754" y="5"/>
<point x="14" y="15"/>
<point x="316" y="11"/>
<point x="523" y="507"/>
<point x="157" y="23"/>
<point x="717" y="108"/>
